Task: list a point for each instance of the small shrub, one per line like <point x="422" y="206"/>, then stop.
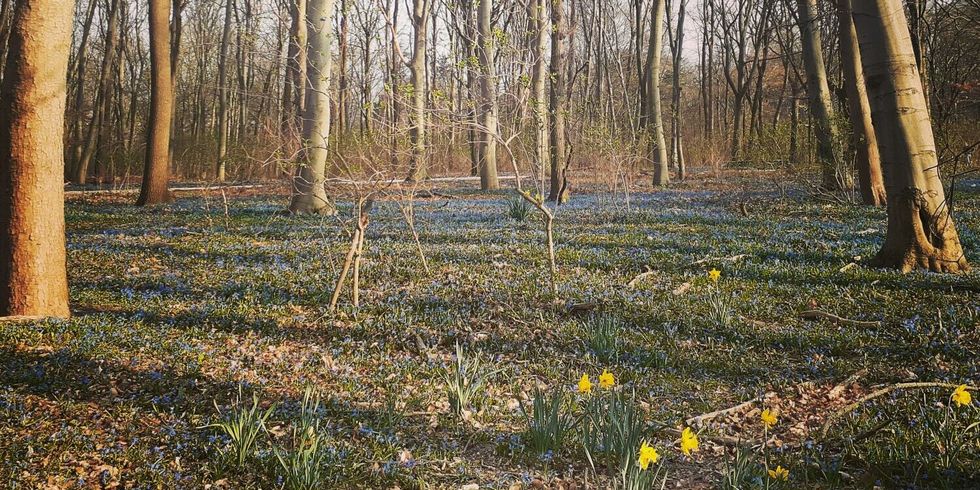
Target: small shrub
<point x="242" y="427"/>
<point x="548" y="422"/>
<point x="518" y="209"/>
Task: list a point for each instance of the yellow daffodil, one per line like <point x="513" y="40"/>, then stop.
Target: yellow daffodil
<point x="585" y="384"/>
<point x="648" y="455"/>
<point x="961" y="397"/>
<point x="714" y="275"/>
<point x="769" y="418"/>
<point x="779" y="473"/>
<point x="606" y="379"/>
<point x="689" y="441"/>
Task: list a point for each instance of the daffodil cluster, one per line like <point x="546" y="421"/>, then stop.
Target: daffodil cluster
<point x="606" y="381"/>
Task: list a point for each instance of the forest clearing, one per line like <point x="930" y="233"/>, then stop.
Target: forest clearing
<point x="489" y="244"/>
<point x="176" y="317"/>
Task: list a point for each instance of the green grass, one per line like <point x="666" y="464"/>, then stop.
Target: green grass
<point x="175" y="308"/>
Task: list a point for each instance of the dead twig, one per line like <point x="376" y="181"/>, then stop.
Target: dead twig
<point x="640" y="277"/>
<point x="814" y="315"/>
<point x="733" y="258"/>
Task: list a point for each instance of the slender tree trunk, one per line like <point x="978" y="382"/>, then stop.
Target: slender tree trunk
<point x="156" y="169"/>
<point x="487" y="109"/>
<point x="558" y="102"/>
<point x="294" y="91"/>
<point x="473" y="133"/>
<point x="921" y="233"/>
<point x="176" y="31"/>
<point x="420" y="21"/>
<point x="223" y="125"/>
<point x="6" y="19"/>
<point x="33" y="278"/>
<point x="661" y="171"/>
<point x="868" y="162"/>
<point x="342" y="83"/>
<point x="78" y="71"/>
<point x="539" y="26"/>
<point x="101" y="107"/>
<point x="794" y="122"/>
<point x="818" y="94"/>
<point x="677" y="142"/>
<point x="309" y="195"/>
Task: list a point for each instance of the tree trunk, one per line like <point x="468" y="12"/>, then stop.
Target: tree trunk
<point x="677" y="141"/>
<point x="33" y="278"/>
<point x="420" y="21"/>
<point x="294" y="91"/>
<point x="818" y="93"/>
<point x="309" y="195"/>
<point x="6" y="17"/>
<point x="487" y="108"/>
<point x="539" y="26"/>
<point x="101" y="107"/>
<point x="342" y="83"/>
<point x="219" y="174"/>
<point x="921" y="233"/>
<point x="658" y="151"/>
<point x="868" y="162"/>
<point x="156" y="169"/>
<point x="558" y="103"/>
<point x="78" y="70"/>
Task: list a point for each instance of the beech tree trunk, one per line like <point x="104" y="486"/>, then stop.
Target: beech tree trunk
<point x="658" y="150"/>
<point x="219" y="174"/>
<point x="818" y="94"/>
<point x="487" y="106"/>
<point x="558" y="103"/>
<point x="417" y="66"/>
<point x="33" y="278"/>
<point x="921" y="233"/>
<point x="539" y="26"/>
<point x="309" y="195"/>
<point x="156" y="169"/>
<point x="868" y="162"/>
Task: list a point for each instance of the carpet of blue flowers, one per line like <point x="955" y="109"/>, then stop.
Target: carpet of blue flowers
<point x="182" y="313"/>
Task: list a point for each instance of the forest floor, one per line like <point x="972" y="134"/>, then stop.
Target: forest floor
<point x="180" y="308"/>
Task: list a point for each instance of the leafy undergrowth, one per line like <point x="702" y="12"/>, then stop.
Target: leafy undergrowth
<point x="183" y="313"/>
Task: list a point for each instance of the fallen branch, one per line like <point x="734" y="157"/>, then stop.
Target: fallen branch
<point x="837" y="390"/>
<point x="725" y="411"/>
<point x="881" y="392"/>
<point x="718" y="439"/>
<point x="733" y="258"/>
<point x="426" y="194"/>
<point x="814" y="315"/>
<point x="22" y="318"/>
<point x="640" y="277"/>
